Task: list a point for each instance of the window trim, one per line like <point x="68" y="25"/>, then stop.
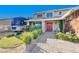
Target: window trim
<point x="39" y="15"/>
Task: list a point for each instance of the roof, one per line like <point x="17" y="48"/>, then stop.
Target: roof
<point x="45" y="19"/>
<point x="52" y="10"/>
<point x="70" y="10"/>
<point x="6" y="19"/>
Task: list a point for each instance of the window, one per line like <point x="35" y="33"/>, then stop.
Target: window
<point x="39" y="16"/>
<point x="49" y="15"/>
<point x="38" y="24"/>
<point x="60" y="13"/>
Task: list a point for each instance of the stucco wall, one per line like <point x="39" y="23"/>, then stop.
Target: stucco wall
<point x="56" y="26"/>
<point x="5" y="24"/>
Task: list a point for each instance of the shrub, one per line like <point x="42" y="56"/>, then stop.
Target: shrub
<point x="75" y="39"/>
<point x="26" y="37"/>
<point x="64" y="36"/>
<point x="11" y="42"/>
<point x="11" y="35"/>
<point x="39" y="31"/>
<point x="35" y="33"/>
<point x="67" y="36"/>
<point x="60" y="35"/>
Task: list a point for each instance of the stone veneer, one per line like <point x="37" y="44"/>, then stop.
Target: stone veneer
<point x="72" y="25"/>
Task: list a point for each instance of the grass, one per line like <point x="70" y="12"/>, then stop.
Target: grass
<point x="11" y="42"/>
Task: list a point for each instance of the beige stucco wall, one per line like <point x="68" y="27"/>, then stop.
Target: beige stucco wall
<point x="5" y="24"/>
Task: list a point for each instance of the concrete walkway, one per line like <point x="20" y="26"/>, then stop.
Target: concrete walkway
<point x="48" y="44"/>
<point x="44" y="43"/>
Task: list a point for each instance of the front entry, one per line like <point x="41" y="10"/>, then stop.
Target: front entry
<point x="49" y="26"/>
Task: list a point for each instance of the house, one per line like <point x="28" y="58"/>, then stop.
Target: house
<point x="12" y="24"/>
<point x="63" y="20"/>
<point x="5" y="24"/>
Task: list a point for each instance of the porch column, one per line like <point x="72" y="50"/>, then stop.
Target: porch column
<point x="43" y="26"/>
<point x="27" y="22"/>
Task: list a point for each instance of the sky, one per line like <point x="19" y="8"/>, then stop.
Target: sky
<point x="10" y="11"/>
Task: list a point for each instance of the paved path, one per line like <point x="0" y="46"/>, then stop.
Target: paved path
<point x="42" y="45"/>
<point x="48" y="44"/>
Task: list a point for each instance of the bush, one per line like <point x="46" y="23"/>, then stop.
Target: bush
<point x="67" y="36"/>
<point x="35" y="33"/>
<point x="60" y="35"/>
<point x="11" y="42"/>
<point x="11" y="35"/>
<point x="75" y="39"/>
<point x="26" y="37"/>
<point x="39" y="31"/>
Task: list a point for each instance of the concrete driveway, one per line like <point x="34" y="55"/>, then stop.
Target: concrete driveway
<point x="48" y="44"/>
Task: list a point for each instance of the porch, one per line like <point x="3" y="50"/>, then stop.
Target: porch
<point x="48" y="25"/>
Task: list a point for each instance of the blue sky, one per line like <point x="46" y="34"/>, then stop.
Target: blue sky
<point x="10" y="11"/>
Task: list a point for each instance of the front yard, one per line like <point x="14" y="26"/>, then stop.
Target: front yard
<point x="64" y="42"/>
<point x="14" y="41"/>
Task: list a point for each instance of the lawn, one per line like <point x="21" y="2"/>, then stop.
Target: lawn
<point x="11" y="42"/>
<point x="25" y="37"/>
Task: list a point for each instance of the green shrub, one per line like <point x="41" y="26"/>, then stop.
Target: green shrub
<point x="39" y="31"/>
<point x="35" y="33"/>
<point x="26" y="37"/>
<point x="60" y="35"/>
<point x="11" y="35"/>
<point x="75" y="39"/>
<point x="67" y="36"/>
<point x="64" y="36"/>
<point x="11" y="42"/>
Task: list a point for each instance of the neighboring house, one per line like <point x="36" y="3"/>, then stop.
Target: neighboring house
<point x="13" y="24"/>
<point x="57" y="20"/>
<point x="5" y="24"/>
<point x="18" y="24"/>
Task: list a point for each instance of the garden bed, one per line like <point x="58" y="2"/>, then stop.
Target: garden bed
<point x="20" y="43"/>
<point x="68" y="37"/>
<point x="19" y="49"/>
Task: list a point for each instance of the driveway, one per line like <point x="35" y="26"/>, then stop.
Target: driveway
<point x="47" y="43"/>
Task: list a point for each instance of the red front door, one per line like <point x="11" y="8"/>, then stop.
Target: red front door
<point x="49" y="26"/>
